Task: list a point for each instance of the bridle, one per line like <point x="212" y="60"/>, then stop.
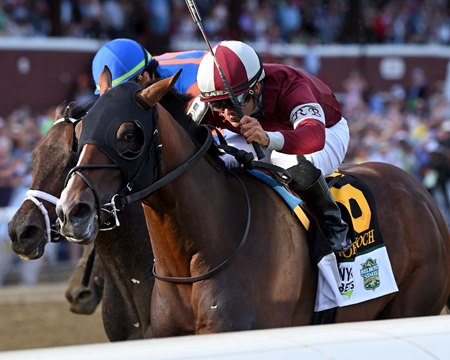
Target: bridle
<point x="126" y="196"/>
<point x="52" y="230"/>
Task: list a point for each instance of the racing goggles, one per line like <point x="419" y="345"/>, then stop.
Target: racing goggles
<point x="221" y="105"/>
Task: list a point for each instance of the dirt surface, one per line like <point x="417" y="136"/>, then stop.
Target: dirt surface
<point x="37" y="317"/>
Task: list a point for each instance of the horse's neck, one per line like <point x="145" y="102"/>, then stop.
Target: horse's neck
<point x="187" y="215"/>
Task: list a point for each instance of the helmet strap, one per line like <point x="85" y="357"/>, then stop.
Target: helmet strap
<point x="257" y="95"/>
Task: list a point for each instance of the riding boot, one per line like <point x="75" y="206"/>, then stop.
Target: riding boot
<point x="310" y="185"/>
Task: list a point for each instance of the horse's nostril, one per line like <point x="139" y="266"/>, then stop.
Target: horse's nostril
<point x="80" y="211"/>
<point x="85" y="295"/>
<point x="30" y="232"/>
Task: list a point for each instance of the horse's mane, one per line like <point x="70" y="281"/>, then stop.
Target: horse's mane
<point x="176" y="104"/>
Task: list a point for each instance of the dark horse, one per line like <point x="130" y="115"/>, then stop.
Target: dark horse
<point x="229" y="255"/>
<point x="84" y="290"/>
<point x="125" y="251"/>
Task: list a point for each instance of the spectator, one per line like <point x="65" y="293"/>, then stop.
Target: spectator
<point x="311" y="60"/>
<point x="416" y="93"/>
<point x="355" y="88"/>
<point x="11" y="171"/>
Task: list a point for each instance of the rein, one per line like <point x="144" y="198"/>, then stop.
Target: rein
<point x="192" y="279"/>
<point x="246" y="159"/>
<point x="178" y="171"/>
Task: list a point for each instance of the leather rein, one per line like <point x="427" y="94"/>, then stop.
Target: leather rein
<point x="192" y="279"/>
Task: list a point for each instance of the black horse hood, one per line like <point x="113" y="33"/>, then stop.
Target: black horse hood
<point x="100" y="125"/>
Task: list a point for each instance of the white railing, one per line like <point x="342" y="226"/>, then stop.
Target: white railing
<point x="414" y="338"/>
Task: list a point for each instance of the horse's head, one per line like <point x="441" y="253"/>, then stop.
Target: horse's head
<point x="32" y="226"/>
<point x="119" y="154"/>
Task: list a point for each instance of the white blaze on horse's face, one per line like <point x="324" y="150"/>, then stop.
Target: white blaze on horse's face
<point x="76" y="210"/>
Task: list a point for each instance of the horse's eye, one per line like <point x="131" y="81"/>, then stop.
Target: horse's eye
<point x="129" y="136"/>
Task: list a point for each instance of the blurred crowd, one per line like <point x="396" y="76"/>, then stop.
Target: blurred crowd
<point x="406" y="126"/>
<point x="266" y="21"/>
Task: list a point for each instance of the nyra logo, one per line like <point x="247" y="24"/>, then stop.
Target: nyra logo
<point x="347" y="284"/>
<point x="370" y="274"/>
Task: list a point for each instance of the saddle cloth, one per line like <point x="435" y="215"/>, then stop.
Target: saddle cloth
<point x="364" y="271"/>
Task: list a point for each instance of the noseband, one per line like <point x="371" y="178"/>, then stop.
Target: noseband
<point x="34" y="196"/>
<point x="110" y="208"/>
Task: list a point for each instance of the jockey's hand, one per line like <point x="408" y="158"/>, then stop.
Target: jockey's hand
<point x="253" y="132"/>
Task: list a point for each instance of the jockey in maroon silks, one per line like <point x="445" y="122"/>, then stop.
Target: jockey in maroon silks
<point x="293" y="115"/>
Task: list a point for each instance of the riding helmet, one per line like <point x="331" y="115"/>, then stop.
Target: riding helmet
<point x="125" y="59"/>
<point x="240" y="64"/>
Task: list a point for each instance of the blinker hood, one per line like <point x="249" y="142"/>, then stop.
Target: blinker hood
<point x="117" y="106"/>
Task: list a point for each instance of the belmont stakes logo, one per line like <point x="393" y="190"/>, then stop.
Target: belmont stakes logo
<point x="370" y="274"/>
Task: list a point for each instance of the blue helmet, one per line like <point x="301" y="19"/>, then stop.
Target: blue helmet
<point x="125" y="59"/>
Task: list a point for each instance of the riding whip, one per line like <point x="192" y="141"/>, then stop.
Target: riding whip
<point x="197" y="19"/>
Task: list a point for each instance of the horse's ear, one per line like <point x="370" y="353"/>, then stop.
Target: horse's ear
<point x="59" y="111"/>
<point x="156" y="91"/>
<point x="105" y="80"/>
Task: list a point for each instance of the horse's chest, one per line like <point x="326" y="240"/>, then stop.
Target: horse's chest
<point x="203" y="311"/>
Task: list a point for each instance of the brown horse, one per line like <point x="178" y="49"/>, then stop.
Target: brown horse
<point x="229" y="255"/>
<point x="125" y="251"/>
<point x="83" y="298"/>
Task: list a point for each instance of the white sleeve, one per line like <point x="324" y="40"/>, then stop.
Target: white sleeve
<point x="307" y="111"/>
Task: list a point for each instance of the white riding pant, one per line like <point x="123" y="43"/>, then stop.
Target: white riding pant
<point x="326" y="160"/>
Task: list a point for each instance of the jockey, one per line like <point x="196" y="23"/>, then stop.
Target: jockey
<point x="294" y="116"/>
<point x="129" y="60"/>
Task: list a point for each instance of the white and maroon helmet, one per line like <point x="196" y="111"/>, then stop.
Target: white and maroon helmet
<point x="240" y="64"/>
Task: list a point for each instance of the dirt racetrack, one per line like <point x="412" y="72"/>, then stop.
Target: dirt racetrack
<point x="39" y="316"/>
